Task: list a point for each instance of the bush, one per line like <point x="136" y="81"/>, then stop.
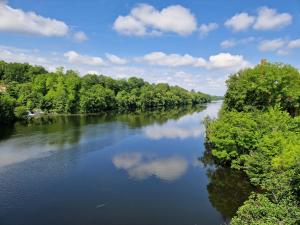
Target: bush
<point x="258" y="131"/>
<point x="260" y="210"/>
<point x="21" y="112"/>
<point x="7" y="104"/>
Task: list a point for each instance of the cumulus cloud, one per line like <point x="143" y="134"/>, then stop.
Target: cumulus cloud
<point x="80" y="36"/>
<point x="271" y="45"/>
<point x="16" y="20"/>
<point x="228" y="43"/>
<point x="32" y="56"/>
<point x="294" y="43"/>
<point x="146" y="20"/>
<point x="184" y="77"/>
<point x="219" y="61"/>
<point x="172" y="60"/>
<point x="206" y="28"/>
<point x="11" y="54"/>
<point x="240" y="22"/>
<point x="115" y="59"/>
<point x="74" y="58"/>
<point x="227" y="61"/>
<point x="269" y="19"/>
<point x="279" y="46"/>
<point x="139" y="167"/>
<point x="232" y="42"/>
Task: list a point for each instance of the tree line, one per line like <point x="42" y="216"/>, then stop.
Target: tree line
<point x="25" y="88"/>
<point x="258" y="131"/>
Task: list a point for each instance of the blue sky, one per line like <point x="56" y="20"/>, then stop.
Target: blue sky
<point x="194" y="44"/>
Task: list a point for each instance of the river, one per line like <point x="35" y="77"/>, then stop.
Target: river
<point x="115" y="169"/>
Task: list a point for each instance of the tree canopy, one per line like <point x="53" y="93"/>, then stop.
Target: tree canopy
<point x="34" y="88"/>
<point x="258" y="131"/>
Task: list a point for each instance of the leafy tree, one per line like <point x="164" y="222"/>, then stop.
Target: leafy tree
<point x="260" y="210"/>
<point x="21" y="112"/>
<point x="263" y="86"/>
<point x="126" y="100"/>
<point x="96" y="99"/>
<point x="16" y="72"/>
<point x="7" y="104"/>
<point x="66" y="92"/>
<point x="234" y="134"/>
<point x="72" y="84"/>
<point x="258" y="131"/>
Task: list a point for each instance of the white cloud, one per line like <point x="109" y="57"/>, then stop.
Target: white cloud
<point x="269" y="19"/>
<point x="115" y="59"/>
<point x="247" y="40"/>
<point x="282" y="52"/>
<point x="172" y="60"/>
<point x="32" y="56"/>
<point x="232" y="42"/>
<point x="227" y="61"/>
<point x="279" y="45"/>
<point x="75" y="58"/>
<point x="216" y="82"/>
<point x="146" y="20"/>
<point x="240" y="22"/>
<point x="219" y="61"/>
<point x="271" y="45"/>
<point x="128" y="25"/>
<point x="294" y="43"/>
<point x="16" y="20"/>
<point x="184" y="77"/>
<point x="80" y="36"/>
<point x="10" y="54"/>
<point x="206" y="28"/>
<point x="228" y="43"/>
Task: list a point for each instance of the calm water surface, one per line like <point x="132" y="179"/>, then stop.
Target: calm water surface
<point x="130" y="169"/>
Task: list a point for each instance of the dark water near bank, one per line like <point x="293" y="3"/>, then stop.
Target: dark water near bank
<point x="130" y="169"/>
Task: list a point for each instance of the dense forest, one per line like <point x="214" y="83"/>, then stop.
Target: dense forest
<point x="258" y="132"/>
<point x="25" y="88"/>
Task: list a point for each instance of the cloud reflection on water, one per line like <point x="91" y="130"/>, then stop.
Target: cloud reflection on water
<point x="188" y="126"/>
<point x="141" y="167"/>
<point x="20" y="149"/>
<point x="157" y="132"/>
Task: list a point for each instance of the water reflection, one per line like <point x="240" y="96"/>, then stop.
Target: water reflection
<point x="49" y="134"/>
<point x="140" y="166"/>
<point x="227" y="188"/>
<point x="172" y="131"/>
<point x="12" y="153"/>
<point x="188" y="126"/>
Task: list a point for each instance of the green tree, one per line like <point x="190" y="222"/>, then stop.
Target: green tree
<point x="263" y="86"/>
<point x="96" y="99"/>
<point x="7" y="104"/>
<point x="21" y="112"/>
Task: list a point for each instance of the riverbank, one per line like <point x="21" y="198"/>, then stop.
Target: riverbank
<point x="258" y="132"/>
<point x="31" y="88"/>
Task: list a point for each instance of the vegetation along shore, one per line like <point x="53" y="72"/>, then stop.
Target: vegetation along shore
<point x="258" y="131"/>
<point x="27" y="89"/>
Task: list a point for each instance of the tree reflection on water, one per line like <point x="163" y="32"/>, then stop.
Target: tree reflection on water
<point x="227" y="188"/>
